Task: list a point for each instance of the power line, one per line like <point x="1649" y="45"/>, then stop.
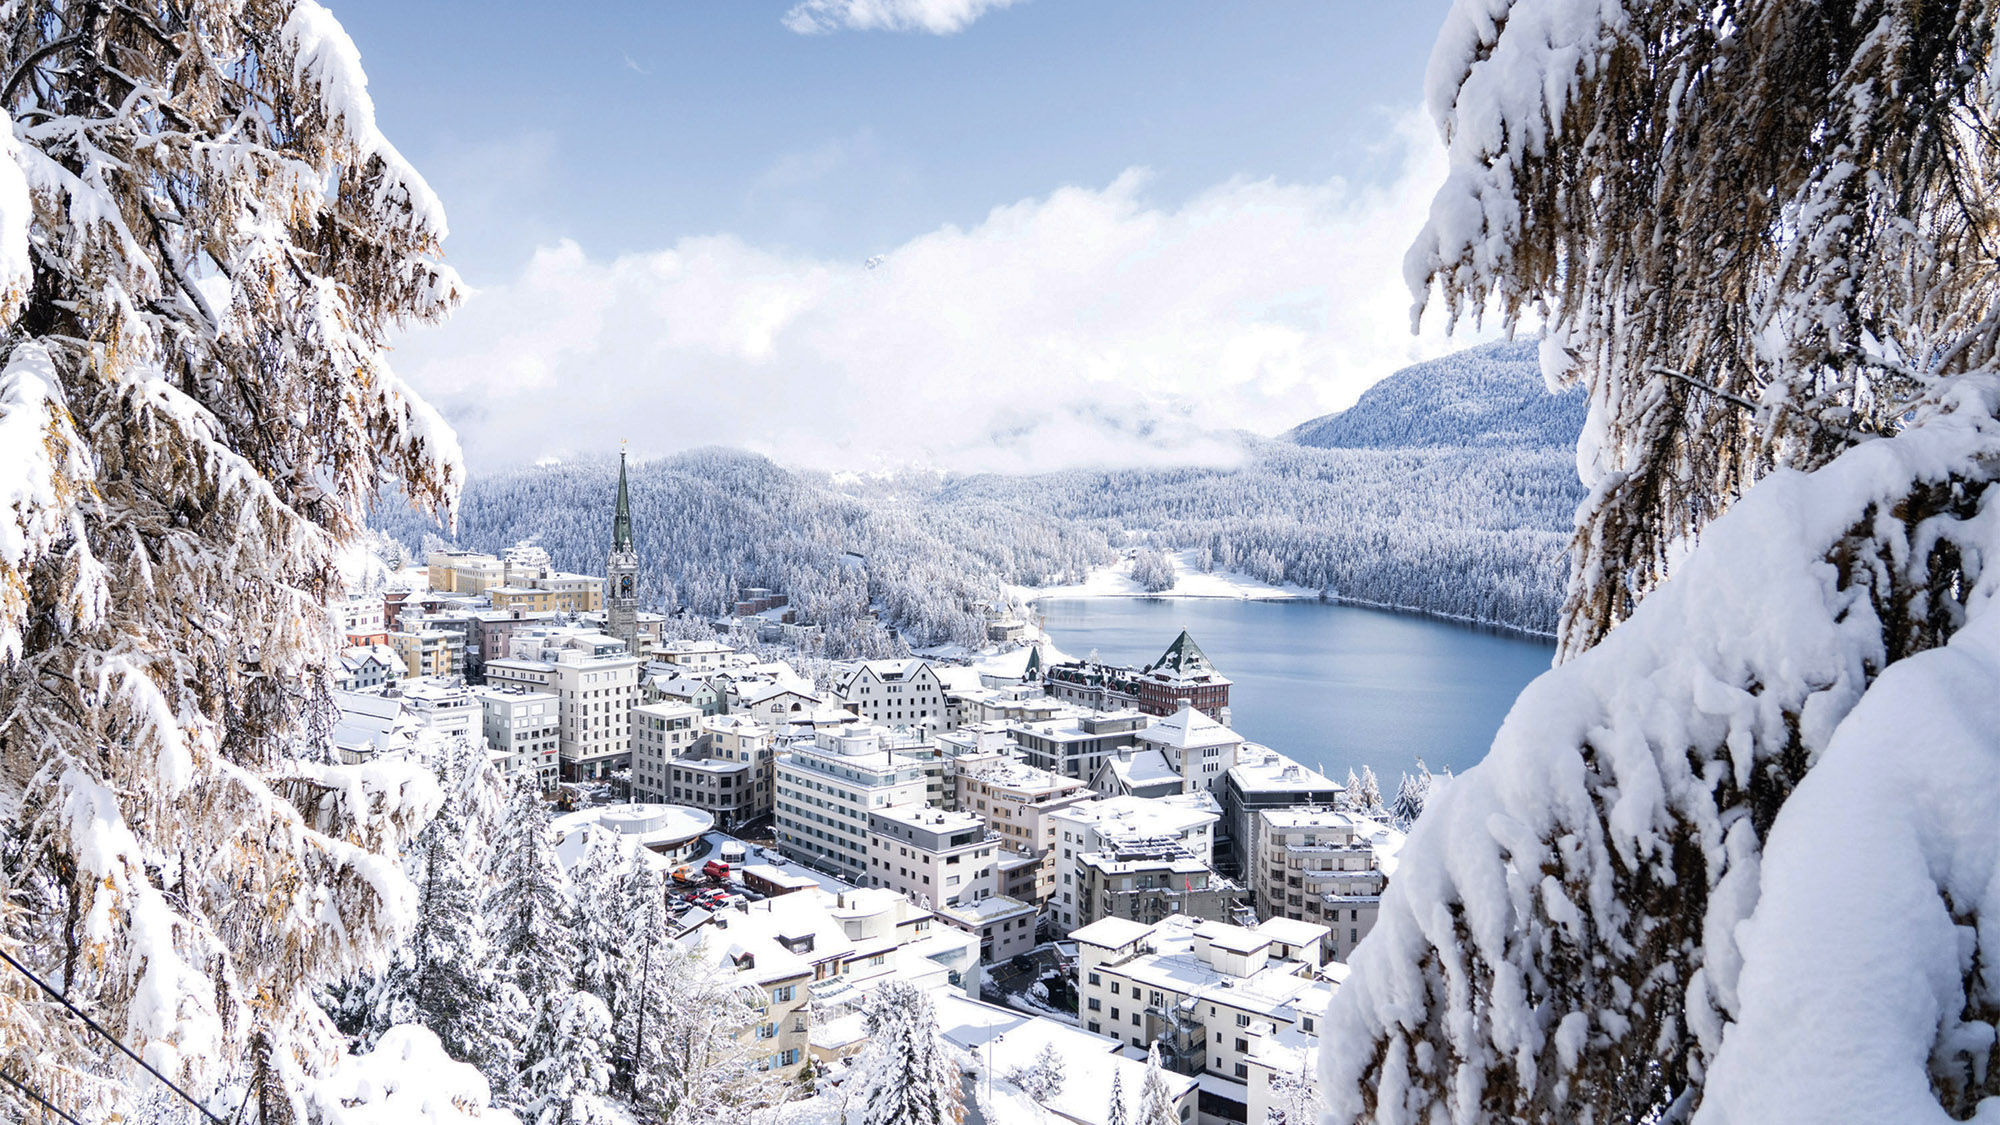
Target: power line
<point x="36" y="1094"/>
<point x="79" y="1013"/>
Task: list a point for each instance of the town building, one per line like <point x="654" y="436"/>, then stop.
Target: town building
<point x="893" y="692"/>
<point x="522" y="728"/>
<point x="1017" y="801"/>
<point x="430" y="652"/>
<point x="828" y="787"/>
<point x="694" y="656"/>
<point x="1264" y="779"/>
<point x="1103" y="826"/>
<point x="1078" y="743"/>
<point x="596" y="682"/>
<point x="662" y="733"/>
<point x="362" y="620"/>
<point x="444" y="708"/>
<point x="818" y="956"/>
<point x="1182" y="674"/>
<point x="464" y="572"/>
<point x="664" y="684"/>
<point x="947" y="861"/>
<point x="368" y="668"/>
<point x="1203" y="991"/>
<point x="1324" y="866"/>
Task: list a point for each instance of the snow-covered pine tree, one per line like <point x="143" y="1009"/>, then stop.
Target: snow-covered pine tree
<point x="1114" y="1112"/>
<point x="1156" y="1103"/>
<point x="442" y="977"/>
<point x="1628" y="911"/>
<point x="907" y="1073"/>
<point x="204" y="240"/>
<point x="1411" y="794"/>
<point x="642" y="1006"/>
<point x="598" y="920"/>
<point x="569" y="1070"/>
<point x="1043" y="1078"/>
<point x="1368" y="798"/>
<point x="527" y="905"/>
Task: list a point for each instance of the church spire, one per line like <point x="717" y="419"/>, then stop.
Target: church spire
<point x="621" y="520"/>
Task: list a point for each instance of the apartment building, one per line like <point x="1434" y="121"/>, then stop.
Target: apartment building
<point x="1264" y="779"/>
<point x="596" y="682"/>
<point x="464" y="572"/>
<point x="1103" y="826"/>
<point x="1077" y="743"/>
<point x="948" y="861"/>
<point x="662" y="733"/>
<point x="1323" y="866"/>
<point x="828" y="787"/>
<point x="893" y="692"/>
<point x="1206" y="992"/>
<point x="367" y="668"/>
<point x="819" y="956"/>
<point x="522" y="727"/>
<point x="694" y="656"/>
<point x="1148" y="879"/>
<point x="430" y="652"/>
<point x="1017" y="802"/>
<point x="363" y="621"/>
<point x="445" y="709"/>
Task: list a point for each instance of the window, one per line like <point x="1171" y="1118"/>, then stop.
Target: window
<point x="1242" y="1071"/>
<point x="1096" y="1005"/>
<point x="1242" y="1020"/>
<point x="1094" y="979"/>
<point x="1242" y="1045"/>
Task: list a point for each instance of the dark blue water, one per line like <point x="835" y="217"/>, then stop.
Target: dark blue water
<point x="1334" y="686"/>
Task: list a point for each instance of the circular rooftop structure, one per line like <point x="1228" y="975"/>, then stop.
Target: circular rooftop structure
<point x="670" y="830"/>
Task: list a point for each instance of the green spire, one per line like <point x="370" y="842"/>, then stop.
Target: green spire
<point x="621" y="521"/>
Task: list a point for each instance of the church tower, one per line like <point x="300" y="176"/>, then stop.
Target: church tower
<point x="621" y="572"/>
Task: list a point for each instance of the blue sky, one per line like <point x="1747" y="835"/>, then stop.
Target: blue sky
<point x="650" y="171"/>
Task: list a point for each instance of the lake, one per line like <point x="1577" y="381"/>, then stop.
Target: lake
<point x="1334" y="686"/>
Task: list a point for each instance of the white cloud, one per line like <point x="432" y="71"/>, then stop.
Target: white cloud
<point x="937" y="17"/>
<point x="1086" y="327"/>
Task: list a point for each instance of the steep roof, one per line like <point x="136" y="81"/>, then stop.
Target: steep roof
<point x="621" y="520"/>
<point x="1189" y="729"/>
<point x="1183" y="657"/>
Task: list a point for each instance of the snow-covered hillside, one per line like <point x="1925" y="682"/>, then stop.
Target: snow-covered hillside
<point x="1486" y="396"/>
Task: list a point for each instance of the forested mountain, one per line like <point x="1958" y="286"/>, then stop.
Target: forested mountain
<point x="1451" y="493"/>
<point x="1491" y="395"/>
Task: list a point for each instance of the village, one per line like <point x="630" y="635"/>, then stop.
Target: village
<point x="1060" y="853"/>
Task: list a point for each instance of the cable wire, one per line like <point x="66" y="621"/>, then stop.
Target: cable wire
<point x="36" y="1094"/>
<point x="79" y="1013"/>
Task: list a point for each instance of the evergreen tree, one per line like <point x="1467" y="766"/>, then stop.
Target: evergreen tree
<point x="908" y="1074"/>
<point x="1369" y="796"/>
<point x="598" y="918"/>
<point x="570" y="1070"/>
<point x="1766" y="258"/>
<point x="1411" y="794"/>
<point x="1156" y="1102"/>
<point x="1114" y="1113"/>
<point x="527" y="906"/>
<point x="1042" y="1079"/>
<point x="704" y="1065"/>
<point x="204" y="243"/>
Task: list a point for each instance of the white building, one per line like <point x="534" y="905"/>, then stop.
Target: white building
<point x="1204" y="991"/>
<point x="948" y="861"/>
<point x="1324" y="866"/>
<point x="893" y="692"/>
<point x="827" y="788"/>
<point x="1077" y="743"/>
<point x="1107" y="825"/>
<point x="694" y="657"/>
<point x="662" y="732"/>
<point x="448" y="710"/>
<point x="1018" y="802"/>
<point x="596" y="683"/>
<point x="1264" y="779"/>
<point x="367" y="667"/>
<point x="817" y="956"/>
<point x="362" y="620"/>
<point x="521" y="727"/>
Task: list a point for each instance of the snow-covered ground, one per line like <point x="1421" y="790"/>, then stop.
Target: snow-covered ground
<point x="1115" y="581"/>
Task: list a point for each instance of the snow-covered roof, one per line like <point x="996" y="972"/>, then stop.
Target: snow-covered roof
<point x="1006" y="1041"/>
<point x="1111" y="933"/>
<point x="1189" y="729"/>
<point x="1262" y="769"/>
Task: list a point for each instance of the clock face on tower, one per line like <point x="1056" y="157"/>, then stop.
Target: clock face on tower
<point x="625" y="586"/>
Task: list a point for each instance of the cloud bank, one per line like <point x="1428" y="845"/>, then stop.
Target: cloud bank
<point x="937" y="17"/>
<point x="1083" y="328"/>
